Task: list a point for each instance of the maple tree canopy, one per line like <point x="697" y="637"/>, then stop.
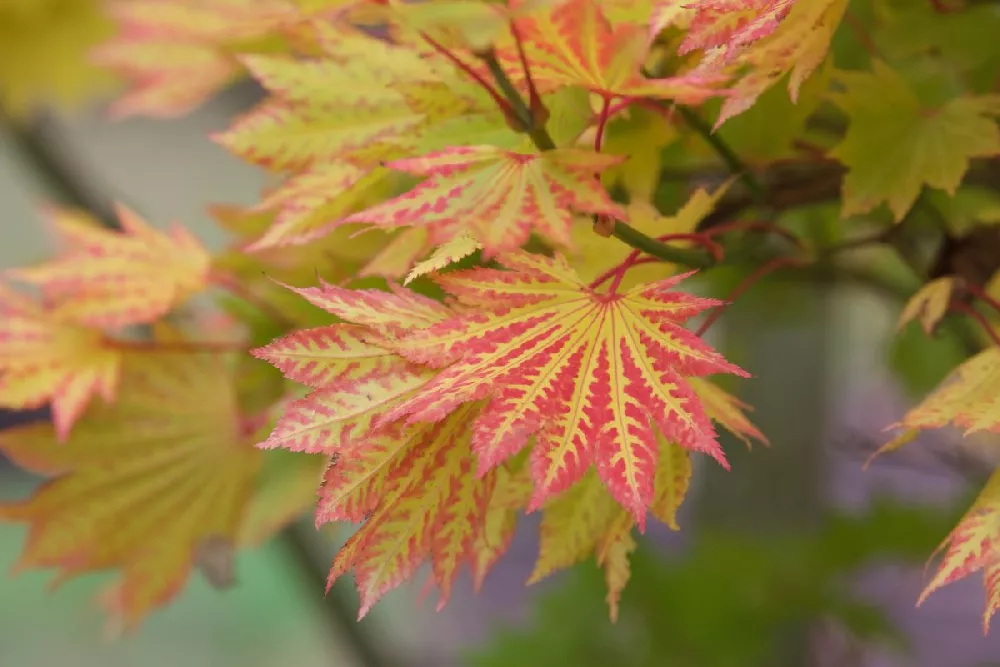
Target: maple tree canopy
<point x="479" y="283"/>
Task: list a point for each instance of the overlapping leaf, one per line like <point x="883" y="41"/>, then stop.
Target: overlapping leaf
<point x="782" y="38"/>
<point x="966" y="399"/>
<point x="355" y="100"/>
<point x="46" y="358"/>
<point x="973" y="546"/>
<point x="145" y="485"/>
<point x="926" y="146"/>
<point x="107" y="278"/>
<point x="497" y="196"/>
<point x="43" y="53"/>
<point x="929" y="304"/>
<point x="574" y="43"/>
<point x="593" y="377"/>
<point x="174" y="54"/>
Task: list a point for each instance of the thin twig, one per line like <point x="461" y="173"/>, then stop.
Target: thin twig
<point x="724" y="151"/>
<point x="529" y="124"/>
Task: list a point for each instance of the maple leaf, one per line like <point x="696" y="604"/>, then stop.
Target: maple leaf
<point x="497" y="196"/>
<point x="356" y="101"/>
<point x="728" y="24"/>
<point x="352" y="367"/>
<point x="108" y="278"/>
<point x="312" y="204"/>
<point x="591" y="376"/>
<point x="43" y="49"/>
<point x="929" y="304"/>
<point x="143" y="484"/>
<point x="176" y="53"/>
<point x="972" y="546"/>
<point x="726" y="410"/>
<point x="776" y="41"/>
<point x="575" y="44"/>
<point x="432" y="507"/>
<point x="45" y="358"/>
<point x="966" y="398"/>
<point x="924" y="146"/>
<point x="450" y="252"/>
<point x="587" y="520"/>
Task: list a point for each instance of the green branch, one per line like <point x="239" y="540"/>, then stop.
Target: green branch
<point x="725" y="152"/>
<point x="695" y="259"/>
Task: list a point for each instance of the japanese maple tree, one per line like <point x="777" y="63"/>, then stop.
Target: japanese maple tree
<point x="475" y="289"/>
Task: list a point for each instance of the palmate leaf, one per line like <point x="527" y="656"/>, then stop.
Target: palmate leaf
<point x="497" y="196"/>
<point x="925" y="146"/>
<point x="45" y="358"/>
<point x="357" y="100"/>
<point x="727" y="24"/>
<point x="593" y="377"/>
<point x="144" y="485"/>
<point x="587" y="520"/>
<point x="174" y="54"/>
<point x="573" y="43"/>
<point x="431" y="506"/>
<point x="966" y="399"/>
<point x="973" y="546"/>
<point x="43" y="53"/>
<point x="107" y="278"/>
<point x="929" y="305"/>
<point x="776" y="42"/>
<point x="414" y="485"/>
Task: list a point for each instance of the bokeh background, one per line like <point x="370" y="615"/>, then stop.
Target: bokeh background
<point x="798" y="558"/>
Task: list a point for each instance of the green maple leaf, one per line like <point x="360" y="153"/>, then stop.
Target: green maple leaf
<point x="895" y="145"/>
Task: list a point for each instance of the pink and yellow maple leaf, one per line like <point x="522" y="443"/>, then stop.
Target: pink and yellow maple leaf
<point x="974" y="545"/>
<point x="592" y="376"/>
<point x="574" y="43"/>
<point x="107" y="278"/>
<point x="46" y="358"/>
<point x="498" y="197"/>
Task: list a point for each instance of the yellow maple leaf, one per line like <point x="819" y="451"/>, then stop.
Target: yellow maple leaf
<point x="107" y="278"/>
<point x="587" y="520"/>
<point x="929" y="304"/>
<point x="973" y="546"/>
<point x="143" y="485"/>
<point x="355" y="101"/>
<point x="926" y="146"/>
<point x="43" y="53"/>
<point x="174" y="54"/>
<point x="46" y="358"/>
<point x="967" y="398"/>
<point x="450" y="252"/>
